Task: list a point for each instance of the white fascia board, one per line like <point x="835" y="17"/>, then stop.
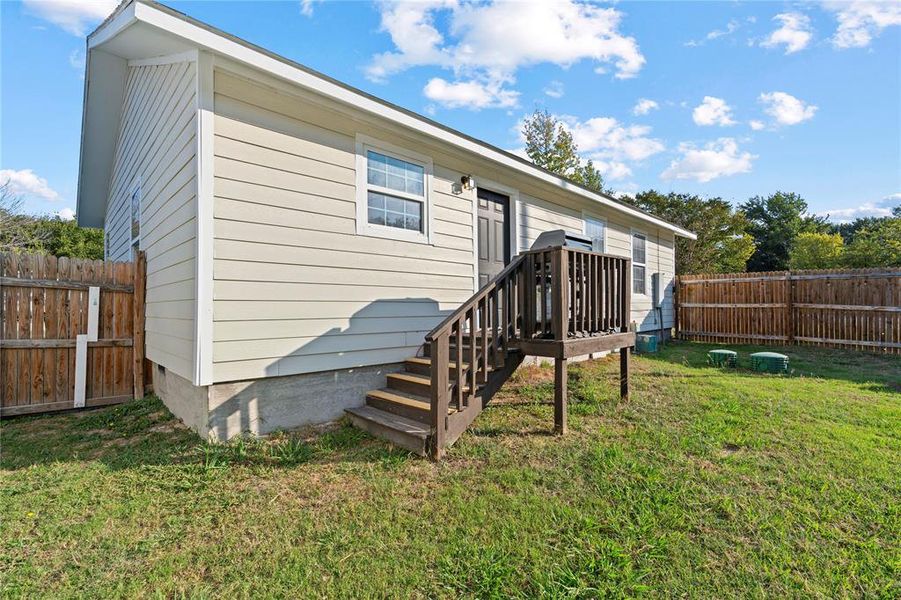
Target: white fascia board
<point x="279" y="68"/>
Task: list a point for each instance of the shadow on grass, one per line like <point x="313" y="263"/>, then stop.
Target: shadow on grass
<point x="144" y="433"/>
<point x="876" y="372"/>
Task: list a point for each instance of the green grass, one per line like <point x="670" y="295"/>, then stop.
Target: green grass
<point x="707" y="483"/>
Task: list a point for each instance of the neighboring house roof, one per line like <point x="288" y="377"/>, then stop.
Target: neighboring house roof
<point x="180" y="33"/>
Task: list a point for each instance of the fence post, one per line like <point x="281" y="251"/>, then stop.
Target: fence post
<point x="789" y="308"/>
<point x="140" y="279"/>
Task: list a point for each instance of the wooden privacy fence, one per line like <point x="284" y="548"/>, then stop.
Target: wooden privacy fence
<point x="857" y="308"/>
<point x="71" y="332"/>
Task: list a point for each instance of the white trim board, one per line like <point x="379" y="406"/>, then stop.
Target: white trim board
<point x="229" y="46"/>
<point x="203" y="315"/>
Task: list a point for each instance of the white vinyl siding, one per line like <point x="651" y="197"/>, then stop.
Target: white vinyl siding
<point x="155" y="159"/>
<point x="296" y="288"/>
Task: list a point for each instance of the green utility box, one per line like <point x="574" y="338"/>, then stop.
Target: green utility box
<point x="769" y="362"/>
<point x="645" y="344"/>
<point x="722" y="358"/>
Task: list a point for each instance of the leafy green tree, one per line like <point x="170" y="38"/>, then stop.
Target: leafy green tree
<point x="876" y="246"/>
<point x="775" y="222"/>
<point x="723" y="245"/>
<point x="20" y="232"/>
<point x="550" y="145"/>
<point x="817" y="251"/>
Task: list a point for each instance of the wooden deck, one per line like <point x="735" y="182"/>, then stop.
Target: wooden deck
<point x="554" y="302"/>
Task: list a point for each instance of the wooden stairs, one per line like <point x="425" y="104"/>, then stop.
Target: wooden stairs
<point x="401" y="411"/>
<point x="556" y="302"/>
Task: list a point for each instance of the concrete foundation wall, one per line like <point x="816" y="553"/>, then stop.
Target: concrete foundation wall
<point x="224" y="410"/>
<point x="185" y="400"/>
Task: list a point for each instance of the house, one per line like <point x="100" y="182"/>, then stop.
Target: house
<point x="302" y="237"/>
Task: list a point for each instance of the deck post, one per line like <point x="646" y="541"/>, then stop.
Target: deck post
<point x="560" y="407"/>
<point x="440" y="395"/>
<point x="624" y="372"/>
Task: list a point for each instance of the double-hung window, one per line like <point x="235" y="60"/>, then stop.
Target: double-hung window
<point x="395" y="195"/>
<point x="596" y="229"/>
<point x="639" y="263"/>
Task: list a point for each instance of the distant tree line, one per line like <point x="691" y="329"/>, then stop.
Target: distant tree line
<point x="765" y="233"/>
<point x="44" y="234"/>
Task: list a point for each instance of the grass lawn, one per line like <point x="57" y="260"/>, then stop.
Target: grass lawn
<point x="707" y="483"/>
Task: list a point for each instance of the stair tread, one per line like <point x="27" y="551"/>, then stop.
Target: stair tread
<point x="425" y="360"/>
<point x="410" y="400"/>
<point x="412" y="377"/>
<point x="401" y="398"/>
<point x="392" y="421"/>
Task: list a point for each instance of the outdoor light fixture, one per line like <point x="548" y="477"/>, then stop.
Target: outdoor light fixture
<point x="468" y="182"/>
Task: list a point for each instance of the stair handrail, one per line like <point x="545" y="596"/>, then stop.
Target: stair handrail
<point x="492" y="283"/>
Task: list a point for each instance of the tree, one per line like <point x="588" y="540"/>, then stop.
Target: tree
<point x="774" y="223"/>
<point x="817" y="251"/>
<point x="876" y="246"/>
<point x="20" y="232"/>
<point x="17" y="231"/>
<point x="723" y="246"/>
<point x="550" y="145"/>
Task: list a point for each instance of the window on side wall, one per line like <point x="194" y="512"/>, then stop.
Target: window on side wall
<point x="393" y="201"/>
<point x="596" y="229"/>
<point x="135" y="210"/>
<point x="639" y="263"/>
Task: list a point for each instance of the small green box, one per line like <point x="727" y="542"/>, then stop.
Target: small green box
<point x="722" y="358"/>
<point x="769" y="362"/>
<point x="645" y="344"/>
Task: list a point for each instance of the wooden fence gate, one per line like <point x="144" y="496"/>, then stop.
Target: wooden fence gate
<point x="71" y="332"/>
<point x="857" y="308"/>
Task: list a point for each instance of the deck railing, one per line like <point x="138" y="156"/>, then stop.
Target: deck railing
<point x="552" y="294"/>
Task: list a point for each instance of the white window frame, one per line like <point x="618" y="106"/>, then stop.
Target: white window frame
<point x="135" y="242"/>
<point x="364" y="144"/>
<point x="644" y="235"/>
<point x="585" y="217"/>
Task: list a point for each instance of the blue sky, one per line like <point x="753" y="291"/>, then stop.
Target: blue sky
<point x="729" y="99"/>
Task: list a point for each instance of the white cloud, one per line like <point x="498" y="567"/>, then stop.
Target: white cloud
<point x="795" y="33"/>
<point x="879" y="208"/>
<point x="605" y="139"/>
<point x="713" y="111"/>
<point x="860" y="22"/>
<point x="612" y="171"/>
<point x="489" y="42"/>
<point x="610" y="145"/>
<point x="306" y="7"/>
<point x="757" y="125"/>
<point x="554" y="89"/>
<point x="26" y="183"/>
<point x="66" y="214"/>
<point x="77" y="60"/>
<point x="786" y="109"/>
<point x="474" y="95"/>
<point x="719" y="158"/>
<point x="74" y="16"/>
<point x="644" y="106"/>
<point x="731" y="27"/>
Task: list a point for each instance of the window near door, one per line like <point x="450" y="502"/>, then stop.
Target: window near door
<point x="596" y="229"/>
<point x="639" y="264"/>
<point x="394" y="198"/>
